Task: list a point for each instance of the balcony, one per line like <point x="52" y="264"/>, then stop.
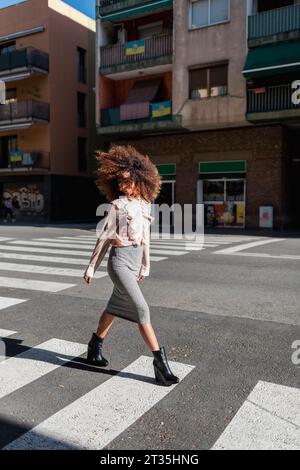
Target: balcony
<point x="116" y="10"/>
<point x="22" y="114"/>
<point x="283" y="22"/>
<point x="153" y="51"/>
<point x="29" y="161"/>
<point x="272" y="103"/>
<point x="23" y="63"/>
<point x="135" y="118"/>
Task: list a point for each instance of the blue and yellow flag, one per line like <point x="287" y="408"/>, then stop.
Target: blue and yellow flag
<point x="15" y="157"/>
<point x="161" y="109"/>
<point x="135" y="47"/>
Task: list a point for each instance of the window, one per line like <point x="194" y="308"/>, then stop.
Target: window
<point x="149" y="30"/>
<point x="207" y="12"/>
<point x="209" y="82"/>
<point x="81" y="116"/>
<point x="10" y="95"/>
<point x="7" y="47"/>
<point x="82" y="160"/>
<point x="81" y="69"/>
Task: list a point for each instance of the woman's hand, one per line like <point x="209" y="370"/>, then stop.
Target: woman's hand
<point x="140" y="278"/>
<point x="87" y="279"/>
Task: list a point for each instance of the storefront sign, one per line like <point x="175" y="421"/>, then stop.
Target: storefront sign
<point x="135" y="47"/>
<point x="296" y="93"/>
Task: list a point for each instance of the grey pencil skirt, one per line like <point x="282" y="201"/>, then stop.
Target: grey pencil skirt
<point x="127" y="300"/>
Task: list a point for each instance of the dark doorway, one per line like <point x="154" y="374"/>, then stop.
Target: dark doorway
<point x="293" y="177"/>
<point x="7" y="144"/>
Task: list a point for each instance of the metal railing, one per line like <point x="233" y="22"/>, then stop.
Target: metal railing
<point x="154" y="47"/>
<point x="21" y="58"/>
<point x="27" y="109"/>
<point x="29" y="159"/>
<point x="279" y="20"/>
<point x="268" y="99"/>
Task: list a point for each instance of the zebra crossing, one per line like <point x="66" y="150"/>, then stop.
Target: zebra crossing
<point x="268" y="418"/>
<point x="56" y="264"/>
<point x="94" y="419"/>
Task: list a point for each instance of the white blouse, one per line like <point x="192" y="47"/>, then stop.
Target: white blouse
<point x="127" y="223"/>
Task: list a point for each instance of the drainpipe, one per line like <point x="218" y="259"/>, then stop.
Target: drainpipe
<point x="97" y="78"/>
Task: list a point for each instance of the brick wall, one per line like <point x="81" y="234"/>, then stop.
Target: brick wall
<point x="262" y="148"/>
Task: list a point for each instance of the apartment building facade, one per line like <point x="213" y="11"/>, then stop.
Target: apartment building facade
<point x="47" y="115"/>
<point x="210" y="90"/>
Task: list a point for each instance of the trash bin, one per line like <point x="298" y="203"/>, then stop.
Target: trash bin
<point x="266" y="217"/>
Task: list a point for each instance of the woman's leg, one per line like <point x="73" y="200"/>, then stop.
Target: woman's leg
<point x="105" y="323"/>
<point x="149" y="336"/>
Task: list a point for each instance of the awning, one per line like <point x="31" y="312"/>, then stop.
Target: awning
<point x="138" y="10"/>
<point x="143" y="91"/>
<point x="137" y="105"/>
<point x="273" y="59"/>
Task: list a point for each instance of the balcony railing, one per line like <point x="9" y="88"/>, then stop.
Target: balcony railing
<point x="270" y="99"/>
<point x="24" y="58"/>
<point x="27" y="160"/>
<point x="136" y="113"/>
<point x="154" y="47"/>
<point x="279" y="20"/>
<point x="24" y="110"/>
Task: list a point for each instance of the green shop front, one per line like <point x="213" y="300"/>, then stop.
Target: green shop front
<point x="222" y="190"/>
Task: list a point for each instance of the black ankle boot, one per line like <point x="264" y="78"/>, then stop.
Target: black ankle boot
<point x="163" y="373"/>
<point x="94" y="355"/>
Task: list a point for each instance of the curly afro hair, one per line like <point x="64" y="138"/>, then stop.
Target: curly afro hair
<point x="122" y="166"/>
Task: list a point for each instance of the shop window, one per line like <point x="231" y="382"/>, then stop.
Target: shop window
<point x="209" y="82"/>
<point x="208" y="12"/>
<point x="224" y="201"/>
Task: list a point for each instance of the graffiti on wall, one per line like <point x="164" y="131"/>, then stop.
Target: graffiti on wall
<point x="30" y="197"/>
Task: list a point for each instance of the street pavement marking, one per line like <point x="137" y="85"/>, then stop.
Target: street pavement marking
<point x="65" y="242"/>
<point x="246" y="246"/>
<point x="98" y="417"/>
<point x="168" y="252"/>
<point x="52" y="245"/>
<point x="6" y="302"/>
<point x="31" y="268"/>
<point x="4" y="239"/>
<point x="268" y="420"/>
<point x="267" y="255"/>
<point x="29" y="284"/>
<point x="45" y="250"/>
<point x="31" y="365"/>
<point x="6" y="333"/>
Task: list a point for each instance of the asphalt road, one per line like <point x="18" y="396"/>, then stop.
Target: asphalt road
<point x="228" y="315"/>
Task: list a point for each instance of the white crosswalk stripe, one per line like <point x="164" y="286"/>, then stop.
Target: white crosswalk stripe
<point x="67" y="256"/>
<point x="6" y="302"/>
<point x="6" y="333"/>
<point x="30" y="284"/>
<point x="18" y="371"/>
<point x="96" y="418"/>
<point x="268" y="420"/>
<point x="30" y="268"/>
